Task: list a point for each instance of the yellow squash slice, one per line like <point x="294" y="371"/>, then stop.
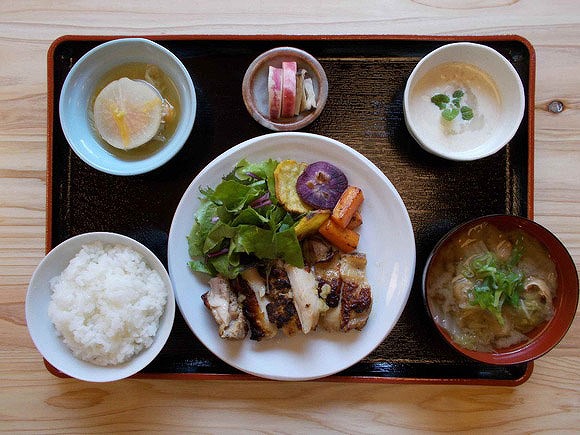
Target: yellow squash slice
<point x="286" y="174"/>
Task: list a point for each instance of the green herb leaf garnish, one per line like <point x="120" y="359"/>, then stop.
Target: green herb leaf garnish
<point x="450" y="108"/>
<point x="450" y="114"/>
<point x="466" y="113"/>
<point x="440" y="100"/>
<point x="496" y="282"/>
<point x="458" y="94"/>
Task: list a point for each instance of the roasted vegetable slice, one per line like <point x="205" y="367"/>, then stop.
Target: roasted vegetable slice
<point x="286" y="174"/>
<point x="348" y="204"/>
<point x="356" y="221"/>
<point x="321" y="185"/>
<point x="310" y="223"/>
<point x="344" y="239"/>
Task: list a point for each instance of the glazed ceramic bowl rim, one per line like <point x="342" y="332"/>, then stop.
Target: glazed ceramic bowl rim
<point x="509" y="80"/>
<point x="81" y="80"/>
<point x="557" y="326"/>
<point x="42" y="330"/>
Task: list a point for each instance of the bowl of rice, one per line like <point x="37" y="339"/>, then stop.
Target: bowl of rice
<point x="100" y="307"/>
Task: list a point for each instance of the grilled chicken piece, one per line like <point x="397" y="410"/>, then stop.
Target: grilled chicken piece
<point x="224" y="307"/>
<point x="305" y="292"/>
<point x="356" y="301"/>
<point x="329" y="282"/>
<point x="343" y="285"/>
<point x="329" y="289"/>
<point x="316" y="249"/>
<point x="253" y="289"/>
<point x="281" y="310"/>
<point x="290" y="300"/>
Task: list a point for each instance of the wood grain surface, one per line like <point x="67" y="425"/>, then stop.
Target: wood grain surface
<point x="35" y="401"/>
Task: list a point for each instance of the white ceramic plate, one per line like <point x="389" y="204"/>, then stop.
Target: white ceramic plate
<point x="386" y="238"/>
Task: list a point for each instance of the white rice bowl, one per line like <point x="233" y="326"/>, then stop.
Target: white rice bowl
<point x="131" y="324"/>
<point x="107" y="303"/>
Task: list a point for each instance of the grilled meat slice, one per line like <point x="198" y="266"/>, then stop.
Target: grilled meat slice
<point x="224" y="307"/>
<point x="316" y="249"/>
<point x="290" y="298"/>
<point x="281" y="309"/>
<point x="343" y="285"/>
<point x="329" y="288"/>
<point x="305" y="293"/>
<point x="253" y="289"/>
<point x="356" y="300"/>
<point x="329" y="282"/>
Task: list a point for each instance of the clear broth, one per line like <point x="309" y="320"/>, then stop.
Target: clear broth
<point x="168" y="91"/>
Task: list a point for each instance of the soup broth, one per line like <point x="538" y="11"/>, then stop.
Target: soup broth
<point x="168" y="91"/>
<point x="489" y="288"/>
<point x="479" y="93"/>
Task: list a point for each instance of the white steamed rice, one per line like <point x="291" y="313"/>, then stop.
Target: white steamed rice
<point x="107" y="303"/>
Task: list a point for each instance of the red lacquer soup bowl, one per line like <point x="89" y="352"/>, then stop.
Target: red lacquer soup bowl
<point x="545" y="335"/>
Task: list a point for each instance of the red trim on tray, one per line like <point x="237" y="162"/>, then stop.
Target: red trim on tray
<point x="333" y="378"/>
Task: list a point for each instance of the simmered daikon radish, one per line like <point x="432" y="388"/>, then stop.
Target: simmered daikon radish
<point x="128" y="113"/>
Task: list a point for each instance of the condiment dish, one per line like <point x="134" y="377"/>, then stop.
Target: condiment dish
<point x="255" y="87"/>
<point x="463" y="101"/>
<point x="44" y="334"/>
<point x="543" y="337"/>
<point x="78" y="95"/>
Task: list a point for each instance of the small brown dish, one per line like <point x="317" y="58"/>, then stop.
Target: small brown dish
<point x="255" y="87"/>
<point x="449" y="309"/>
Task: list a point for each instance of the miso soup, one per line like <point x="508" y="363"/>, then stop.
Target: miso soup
<point x="489" y="288"/>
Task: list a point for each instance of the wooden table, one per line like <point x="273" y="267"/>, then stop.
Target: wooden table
<point x="34" y="400"/>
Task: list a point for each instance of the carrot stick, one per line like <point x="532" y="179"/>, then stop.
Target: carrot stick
<point x="349" y="202"/>
<point x="344" y="239"/>
<point x="356" y="221"/>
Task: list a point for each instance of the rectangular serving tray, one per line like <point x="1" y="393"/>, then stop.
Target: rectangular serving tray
<point x="367" y="76"/>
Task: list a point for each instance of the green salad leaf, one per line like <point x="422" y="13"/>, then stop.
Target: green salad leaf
<point x="496" y="282"/>
<point x="239" y="222"/>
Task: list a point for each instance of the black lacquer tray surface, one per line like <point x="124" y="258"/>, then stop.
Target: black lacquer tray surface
<point x="367" y="76"/>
